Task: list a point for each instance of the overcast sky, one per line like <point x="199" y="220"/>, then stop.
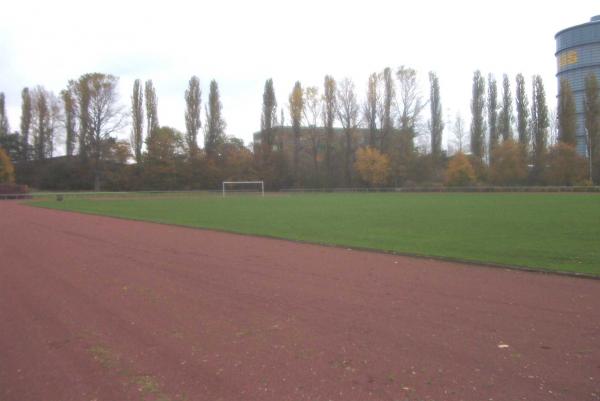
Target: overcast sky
<point x="242" y="43"/>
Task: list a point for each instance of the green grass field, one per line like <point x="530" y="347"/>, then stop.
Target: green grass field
<point x="546" y="231"/>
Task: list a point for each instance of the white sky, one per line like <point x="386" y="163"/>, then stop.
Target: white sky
<point x="242" y="43"/>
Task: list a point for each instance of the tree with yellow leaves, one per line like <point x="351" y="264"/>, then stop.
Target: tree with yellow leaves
<point x="509" y="166"/>
<point x="7" y="171"/>
<point x="460" y="172"/>
<point x="372" y="166"/>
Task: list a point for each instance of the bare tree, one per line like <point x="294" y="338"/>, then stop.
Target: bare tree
<point x="371" y="106"/>
<point x="312" y="116"/>
<point x="460" y="135"/>
<point x="56" y="123"/>
<point x="137" y="120"/>
<point x="492" y="109"/>
<point x="410" y="102"/>
<point x="410" y="105"/>
<point x="553" y="127"/>
<point x="104" y="116"/>
<point x="329" y="112"/>
<point x="348" y="112"/>
<point x="193" y="97"/>
<point x="386" y="119"/>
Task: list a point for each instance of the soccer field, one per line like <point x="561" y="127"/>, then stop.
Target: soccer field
<point x="546" y="231"/>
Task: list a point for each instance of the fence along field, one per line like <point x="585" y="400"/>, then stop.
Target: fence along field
<point x="558" y="232"/>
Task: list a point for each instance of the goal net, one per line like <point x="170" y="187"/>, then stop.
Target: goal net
<point x="244" y="187"/>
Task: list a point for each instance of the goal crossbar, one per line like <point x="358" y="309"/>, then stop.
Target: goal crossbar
<point x="262" y="185"/>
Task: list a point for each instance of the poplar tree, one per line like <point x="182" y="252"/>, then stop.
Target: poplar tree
<point x="41" y="112"/>
<point x="436" y="123"/>
<point x="592" y="123"/>
<point x="268" y="118"/>
<point x="193" y="97"/>
<point x="370" y="107"/>
<point x="25" y="121"/>
<point x="47" y="117"/>
<point x="522" y="112"/>
<point x="4" y="126"/>
<point x="505" y="116"/>
<point x="492" y="109"/>
<point x="312" y="115"/>
<point x="296" y="111"/>
<point x="330" y="107"/>
<point x="151" y="109"/>
<point x="539" y="126"/>
<point x="81" y="88"/>
<point x="348" y="111"/>
<point x="70" y="109"/>
<point x="477" y="121"/>
<point x="410" y="105"/>
<point x="137" y="121"/>
<point x="567" y="117"/>
<point x="214" y="135"/>
<point x="387" y="123"/>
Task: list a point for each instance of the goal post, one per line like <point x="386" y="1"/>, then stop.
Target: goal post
<point x="259" y="185"/>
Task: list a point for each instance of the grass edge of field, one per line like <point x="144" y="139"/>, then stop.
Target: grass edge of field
<point x="448" y="259"/>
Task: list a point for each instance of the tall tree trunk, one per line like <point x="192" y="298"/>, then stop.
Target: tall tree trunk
<point x="296" y="154"/>
<point x="348" y="158"/>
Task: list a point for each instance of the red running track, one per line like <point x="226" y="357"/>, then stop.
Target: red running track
<point x="96" y="308"/>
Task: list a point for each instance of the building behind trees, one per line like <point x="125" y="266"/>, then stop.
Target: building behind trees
<point x="578" y="55"/>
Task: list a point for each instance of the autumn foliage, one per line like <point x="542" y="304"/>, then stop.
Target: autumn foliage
<point x="565" y="166"/>
<point x="372" y="166"/>
<point x="460" y="172"/>
<point x="7" y="171"/>
<point x="509" y="166"/>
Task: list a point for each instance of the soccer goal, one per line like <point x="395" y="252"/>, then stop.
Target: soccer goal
<point x="243" y="187"/>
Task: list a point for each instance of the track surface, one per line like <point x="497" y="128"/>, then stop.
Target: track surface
<point x="95" y="308"/>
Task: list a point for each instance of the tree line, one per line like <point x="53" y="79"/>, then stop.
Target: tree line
<point x="524" y="144"/>
<point x="333" y="139"/>
<point x="88" y="115"/>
